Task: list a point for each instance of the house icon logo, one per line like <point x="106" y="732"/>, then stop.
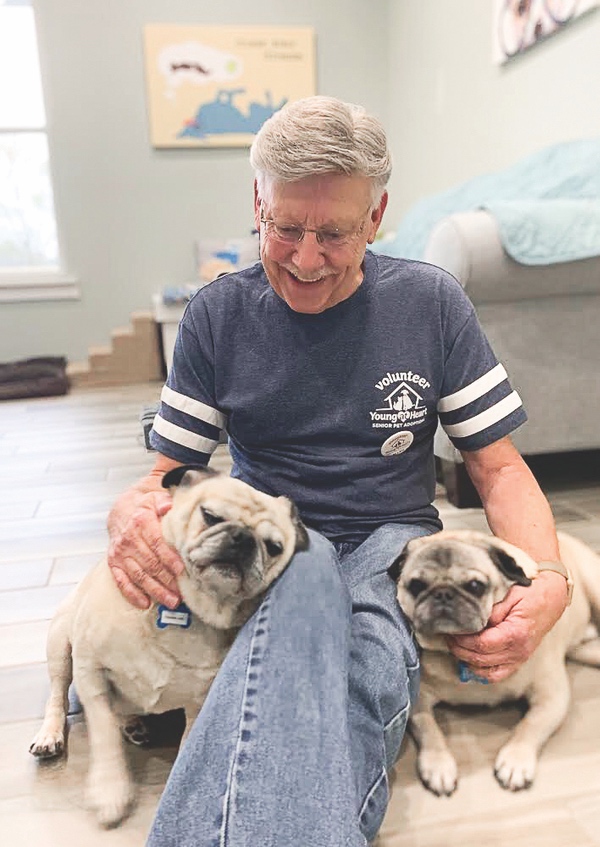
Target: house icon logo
<point x="403" y="398"/>
<point x="404" y="407"/>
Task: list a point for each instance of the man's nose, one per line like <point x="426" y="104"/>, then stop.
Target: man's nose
<point x="308" y="253"/>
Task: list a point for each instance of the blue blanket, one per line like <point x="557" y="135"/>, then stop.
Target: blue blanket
<point x="547" y="207"/>
<point x="541" y="232"/>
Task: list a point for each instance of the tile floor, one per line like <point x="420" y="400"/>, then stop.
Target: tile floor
<point x="64" y="461"/>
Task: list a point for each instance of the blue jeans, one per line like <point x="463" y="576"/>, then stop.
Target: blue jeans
<point x="306" y="715"/>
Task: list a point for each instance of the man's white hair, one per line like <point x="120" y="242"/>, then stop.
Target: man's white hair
<point x="321" y="135"/>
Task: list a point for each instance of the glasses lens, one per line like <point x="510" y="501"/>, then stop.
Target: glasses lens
<point x="333" y="238"/>
<point x="329" y="238"/>
<point x="288" y="234"/>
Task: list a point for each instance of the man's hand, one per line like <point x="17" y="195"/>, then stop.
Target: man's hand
<point x="515" y="629"/>
<point x="144" y="566"/>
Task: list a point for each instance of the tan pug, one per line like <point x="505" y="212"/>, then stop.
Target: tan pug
<point x="234" y="541"/>
<point x="447" y="584"/>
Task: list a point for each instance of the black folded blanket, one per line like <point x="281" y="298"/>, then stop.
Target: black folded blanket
<point x="45" y="376"/>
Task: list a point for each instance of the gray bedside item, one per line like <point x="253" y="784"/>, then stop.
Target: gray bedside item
<point x="147" y="419"/>
<point x="543" y="322"/>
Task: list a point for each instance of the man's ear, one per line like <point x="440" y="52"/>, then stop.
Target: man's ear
<point x="257" y="204"/>
<point x="376" y="217"/>
<point x="186" y="475"/>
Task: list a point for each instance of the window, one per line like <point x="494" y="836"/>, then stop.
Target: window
<point x="28" y="238"/>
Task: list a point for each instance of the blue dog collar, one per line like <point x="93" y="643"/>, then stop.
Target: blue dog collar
<point x="465" y="674"/>
<point x="181" y="616"/>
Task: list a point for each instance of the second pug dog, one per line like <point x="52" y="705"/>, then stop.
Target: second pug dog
<point x="447" y="584"/>
<point x="234" y="541"/>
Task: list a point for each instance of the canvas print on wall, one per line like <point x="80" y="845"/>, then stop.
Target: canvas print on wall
<point x="519" y="24"/>
<point x="216" y="86"/>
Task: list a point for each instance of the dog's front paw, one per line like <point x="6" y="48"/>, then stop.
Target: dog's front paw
<point x="136" y="730"/>
<point x="438" y="771"/>
<point x="49" y="742"/>
<point x="515" y="766"/>
<point x="111" y="799"/>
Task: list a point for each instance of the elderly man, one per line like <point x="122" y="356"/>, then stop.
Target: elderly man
<point x="328" y="366"/>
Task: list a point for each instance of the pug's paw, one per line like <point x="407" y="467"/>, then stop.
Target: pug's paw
<point x="515" y="766"/>
<point x="111" y="799"/>
<point x="136" y="730"/>
<point x="49" y="742"/>
<point x="438" y="771"/>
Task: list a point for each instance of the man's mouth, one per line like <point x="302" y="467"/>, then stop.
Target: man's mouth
<point x="306" y="281"/>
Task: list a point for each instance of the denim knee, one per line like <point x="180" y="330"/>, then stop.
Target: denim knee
<point x="403" y="677"/>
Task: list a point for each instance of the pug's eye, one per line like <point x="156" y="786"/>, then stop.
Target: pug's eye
<point x="475" y="587"/>
<point x="274" y="548"/>
<point x="209" y="518"/>
<point x="416" y="587"/>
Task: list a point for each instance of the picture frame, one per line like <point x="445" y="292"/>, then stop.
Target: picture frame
<point x="520" y="24"/>
<point x="214" y="86"/>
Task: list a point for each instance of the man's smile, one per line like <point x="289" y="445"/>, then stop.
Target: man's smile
<point x="305" y="281"/>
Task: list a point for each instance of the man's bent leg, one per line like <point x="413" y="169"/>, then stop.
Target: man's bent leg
<point x="268" y="760"/>
<point x="383" y="672"/>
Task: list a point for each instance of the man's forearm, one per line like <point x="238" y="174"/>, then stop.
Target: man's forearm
<point x="518" y="511"/>
<point x="516" y="508"/>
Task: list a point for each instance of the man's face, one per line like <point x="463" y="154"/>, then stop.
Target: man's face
<point x="312" y="276"/>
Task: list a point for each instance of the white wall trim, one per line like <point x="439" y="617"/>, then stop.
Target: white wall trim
<point x="26" y="284"/>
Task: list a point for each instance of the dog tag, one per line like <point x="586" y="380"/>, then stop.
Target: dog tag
<point x="181" y="616"/>
<point x="465" y="674"/>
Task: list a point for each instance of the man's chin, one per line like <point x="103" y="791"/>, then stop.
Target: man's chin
<point x="306" y="305"/>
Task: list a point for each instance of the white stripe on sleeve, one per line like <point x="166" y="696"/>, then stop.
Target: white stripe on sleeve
<point x="192" y="407"/>
<point x="183" y="436"/>
<point x="485" y="419"/>
<point x="473" y="391"/>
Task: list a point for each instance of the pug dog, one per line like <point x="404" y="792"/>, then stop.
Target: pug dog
<point x="234" y="541"/>
<point x="447" y="583"/>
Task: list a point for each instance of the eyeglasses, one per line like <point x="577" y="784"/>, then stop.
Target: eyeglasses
<point x="328" y="237"/>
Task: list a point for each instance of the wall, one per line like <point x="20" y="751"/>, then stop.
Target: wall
<point x="453" y="114"/>
<point x="128" y="214"/>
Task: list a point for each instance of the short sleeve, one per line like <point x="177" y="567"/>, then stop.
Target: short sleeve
<point x="189" y="423"/>
<point x="477" y="405"/>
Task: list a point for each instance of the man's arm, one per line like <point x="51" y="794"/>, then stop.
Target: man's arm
<point x="517" y="511"/>
<point x="143" y="565"/>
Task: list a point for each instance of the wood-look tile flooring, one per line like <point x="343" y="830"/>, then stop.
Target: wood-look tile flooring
<point x="63" y="462"/>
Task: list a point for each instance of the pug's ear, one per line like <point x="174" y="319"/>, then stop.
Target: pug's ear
<point x="508" y="566"/>
<point x="395" y="569"/>
<point x="186" y="475"/>
<point x="302" y="539"/>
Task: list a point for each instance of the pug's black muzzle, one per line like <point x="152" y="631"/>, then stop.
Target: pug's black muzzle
<point x="237" y="550"/>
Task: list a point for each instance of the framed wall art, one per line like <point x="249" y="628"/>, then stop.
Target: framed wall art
<point x="215" y="86"/>
<point x="519" y="24"/>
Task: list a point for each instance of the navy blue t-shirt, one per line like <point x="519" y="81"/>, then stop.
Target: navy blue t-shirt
<point x="336" y="410"/>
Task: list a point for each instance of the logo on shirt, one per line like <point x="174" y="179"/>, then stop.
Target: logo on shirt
<point x="402" y="403"/>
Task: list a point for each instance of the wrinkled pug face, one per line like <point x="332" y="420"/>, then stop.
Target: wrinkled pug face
<point x="233" y="539"/>
<point x="448" y="585"/>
